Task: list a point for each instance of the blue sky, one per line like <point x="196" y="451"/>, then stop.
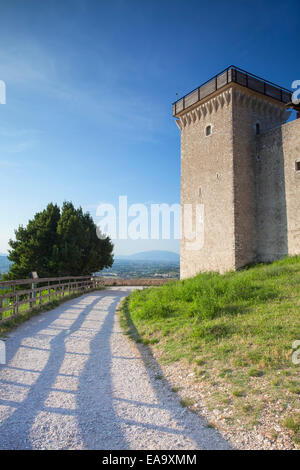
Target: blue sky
<point x="89" y="91"/>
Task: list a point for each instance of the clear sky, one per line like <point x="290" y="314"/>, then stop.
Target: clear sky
<point x="89" y="91"/>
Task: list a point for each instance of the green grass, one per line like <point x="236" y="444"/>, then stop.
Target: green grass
<point x="210" y="425"/>
<point x="240" y="325"/>
<point x="187" y="402"/>
<point x="255" y="372"/>
<point x="158" y="377"/>
<point x="238" y="392"/>
<point x="293" y="424"/>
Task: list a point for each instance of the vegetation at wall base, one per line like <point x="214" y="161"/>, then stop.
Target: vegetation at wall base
<point x="235" y="331"/>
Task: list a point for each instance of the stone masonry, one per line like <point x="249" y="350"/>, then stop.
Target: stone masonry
<point x="239" y="160"/>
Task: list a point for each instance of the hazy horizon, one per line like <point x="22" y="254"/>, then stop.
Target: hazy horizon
<point x="89" y="93"/>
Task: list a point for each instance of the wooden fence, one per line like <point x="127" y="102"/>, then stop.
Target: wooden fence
<point x="34" y="292"/>
<point x="24" y="294"/>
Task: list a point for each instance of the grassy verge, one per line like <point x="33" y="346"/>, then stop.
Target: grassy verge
<point x="235" y="331"/>
<point x="25" y="314"/>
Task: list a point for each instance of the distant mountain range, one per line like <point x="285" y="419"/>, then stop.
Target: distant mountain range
<point x="4" y="264"/>
<point x="154" y="255"/>
<point x="146" y="256"/>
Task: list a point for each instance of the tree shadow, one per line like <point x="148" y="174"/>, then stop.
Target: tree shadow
<point x="61" y="396"/>
<point x="193" y="426"/>
<point x="99" y="425"/>
<point x="35" y="402"/>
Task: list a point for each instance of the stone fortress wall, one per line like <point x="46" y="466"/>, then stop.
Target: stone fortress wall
<point x="238" y="159"/>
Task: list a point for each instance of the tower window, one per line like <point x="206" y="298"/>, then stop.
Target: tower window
<point x="297" y="165"/>
<point x="208" y="130"/>
<point x="257" y="128"/>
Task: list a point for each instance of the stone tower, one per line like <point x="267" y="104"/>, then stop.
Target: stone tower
<point x="240" y="160"/>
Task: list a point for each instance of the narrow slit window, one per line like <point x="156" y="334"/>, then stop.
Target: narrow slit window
<point x="257" y="128"/>
<point x="208" y="130"/>
<point x="297" y="165"/>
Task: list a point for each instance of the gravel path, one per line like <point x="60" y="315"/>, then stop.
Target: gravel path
<point x="74" y="381"/>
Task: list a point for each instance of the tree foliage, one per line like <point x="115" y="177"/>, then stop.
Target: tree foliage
<point x="59" y="242"/>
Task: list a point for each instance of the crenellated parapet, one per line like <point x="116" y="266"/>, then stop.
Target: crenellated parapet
<point x="203" y="110"/>
<point x="260" y="106"/>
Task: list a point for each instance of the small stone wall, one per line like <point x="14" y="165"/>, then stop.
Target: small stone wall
<point x="132" y="282"/>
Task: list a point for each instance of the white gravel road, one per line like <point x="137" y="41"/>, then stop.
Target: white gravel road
<point x="74" y="381"/>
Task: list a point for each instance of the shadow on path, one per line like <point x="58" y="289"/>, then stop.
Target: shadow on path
<point x="99" y="424"/>
<point x="57" y="390"/>
<point x="191" y="424"/>
<point x="15" y="430"/>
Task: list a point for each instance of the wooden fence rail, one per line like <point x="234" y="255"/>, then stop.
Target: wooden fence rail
<point x="34" y="292"/>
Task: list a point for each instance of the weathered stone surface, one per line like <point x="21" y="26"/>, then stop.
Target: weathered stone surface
<point x="246" y="182"/>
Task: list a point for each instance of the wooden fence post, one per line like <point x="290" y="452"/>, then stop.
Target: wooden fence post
<point x="32" y="292"/>
<point x="14" y="299"/>
<point x="31" y="295"/>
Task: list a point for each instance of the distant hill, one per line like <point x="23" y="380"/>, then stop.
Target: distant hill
<point x="154" y="255"/>
<point x="4" y="264"/>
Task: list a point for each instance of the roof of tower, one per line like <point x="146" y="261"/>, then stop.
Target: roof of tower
<point x="232" y="74"/>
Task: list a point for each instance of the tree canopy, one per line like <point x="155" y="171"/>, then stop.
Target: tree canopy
<point x="59" y="242"/>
